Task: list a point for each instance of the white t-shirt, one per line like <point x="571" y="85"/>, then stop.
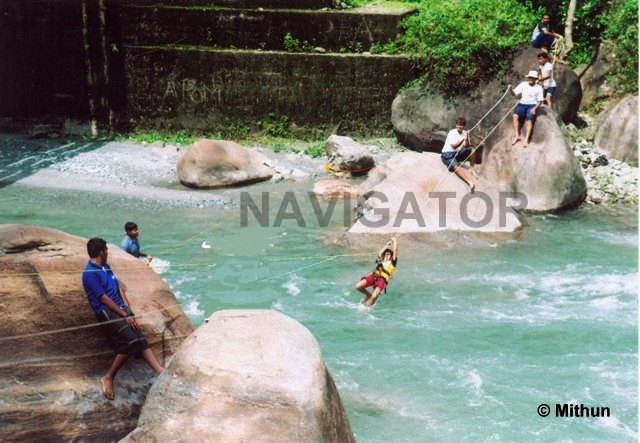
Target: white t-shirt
<point x="531" y="95"/>
<point x="453" y="137"/>
<point x="545" y="70"/>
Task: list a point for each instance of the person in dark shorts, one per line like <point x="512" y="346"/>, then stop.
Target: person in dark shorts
<point x="543" y="36"/>
<point x="379" y="278"/>
<point x="456" y="150"/>
<point x="531" y="97"/>
<point x="111" y="307"/>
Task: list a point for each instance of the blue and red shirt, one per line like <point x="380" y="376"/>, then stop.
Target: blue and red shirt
<point x="97" y="281"/>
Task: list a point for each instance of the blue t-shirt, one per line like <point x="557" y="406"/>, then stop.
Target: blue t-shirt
<point x="99" y="280"/>
<point x="131" y="245"/>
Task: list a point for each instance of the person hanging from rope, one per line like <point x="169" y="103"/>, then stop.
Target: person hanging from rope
<point x="385" y="266"/>
<point x="111" y="306"/>
<point x="456" y="150"/>
<point x="531" y="97"/>
<point x="543" y="37"/>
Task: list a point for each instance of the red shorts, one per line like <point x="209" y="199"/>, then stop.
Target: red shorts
<point x="374" y="280"/>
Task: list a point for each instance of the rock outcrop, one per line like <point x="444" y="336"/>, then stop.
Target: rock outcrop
<point x="211" y="164"/>
<point x="546" y="172"/>
<point x="246" y="375"/>
<point x="334" y="189"/>
<point x="415" y="193"/>
<point x="594" y="79"/>
<point x="347" y="155"/>
<point x="617" y="134"/>
<point x="50" y="389"/>
<point x="422" y="115"/>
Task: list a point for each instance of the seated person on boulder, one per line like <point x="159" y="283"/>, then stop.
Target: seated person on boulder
<point x="531" y="97"/>
<point x="111" y="307"/>
<point x="379" y="278"/>
<point x="456" y="150"/>
<point x="543" y="37"/>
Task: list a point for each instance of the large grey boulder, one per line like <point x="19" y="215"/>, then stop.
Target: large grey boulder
<point x="211" y="164"/>
<point x="546" y="172"/>
<point x="50" y="389"/>
<point x="421" y="115"/>
<point x="414" y="193"/>
<point x="245" y="376"/>
<point x="347" y="155"/>
<point x="594" y="78"/>
<point x="617" y="134"/>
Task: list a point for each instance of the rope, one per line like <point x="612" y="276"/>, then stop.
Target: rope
<point x="81" y="271"/>
<point x="75" y="328"/>
<point x="31" y="361"/>
<point x="332" y="257"/>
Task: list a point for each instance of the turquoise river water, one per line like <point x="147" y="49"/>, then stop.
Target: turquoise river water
<point x="466" y="344"/>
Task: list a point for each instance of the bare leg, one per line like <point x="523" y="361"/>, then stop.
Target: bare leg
<point x="472" y="163"/>
<point x="460" y="172"/>
<point x="528" y="127"/>
<point x="152" y="361"/>
<point x="360" y="286"/>
<point x="107" y="380"/>
<point x="374" y="297"/>
<point x="550" y="101"/>
<point x="515" y="120"/>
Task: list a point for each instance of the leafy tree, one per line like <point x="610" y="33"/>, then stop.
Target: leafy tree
<point x="622" y="30"/>
<point x="458" y="44"/>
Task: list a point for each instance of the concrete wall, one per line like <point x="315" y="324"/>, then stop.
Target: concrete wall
<point x="201" y="88"/>
<point x="66" y="59"/>
<point x="255" y="29"/>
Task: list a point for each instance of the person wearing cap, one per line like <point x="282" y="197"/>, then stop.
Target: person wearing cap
<point x="543" y="37"/>
<point x="531" y="97"/>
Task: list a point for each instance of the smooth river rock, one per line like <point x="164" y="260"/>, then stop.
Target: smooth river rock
<point x="210" y="164"/>
<point x="50" y="383"/>
<point x="347" y="155"/>
<point x="414" y="193"/>
<point x="546" y="172"/>
<point x="617" y="134"/>
<point x="245" y="376"/>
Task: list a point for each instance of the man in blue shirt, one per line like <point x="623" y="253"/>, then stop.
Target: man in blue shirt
<point x="110" y="304"/>
<point x="130" y="242"/>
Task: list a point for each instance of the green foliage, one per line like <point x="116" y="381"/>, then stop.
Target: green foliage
<point x="458" y="44"/>
<point x="275" y="126"/>
<point x="315" y="149"/>
<point x="386" y="48"/>
<point x="182" y="137"/>
<point x="622" y="30"/>
<point x="292" y="44"/>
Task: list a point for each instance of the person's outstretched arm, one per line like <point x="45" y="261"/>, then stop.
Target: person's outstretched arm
<point x="395" y="249"/>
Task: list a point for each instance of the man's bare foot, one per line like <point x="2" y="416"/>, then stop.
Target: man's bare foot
<point x="473" y="172"/>
<point x="107" y="387"/>
<point x="472" y="187"/>
<point x="515" y="140"/>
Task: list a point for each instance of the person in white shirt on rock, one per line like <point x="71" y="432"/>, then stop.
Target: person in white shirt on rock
<point x="531" y="97"/>
<point x="456" y="150"/>
<point x="545" y="77"/>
